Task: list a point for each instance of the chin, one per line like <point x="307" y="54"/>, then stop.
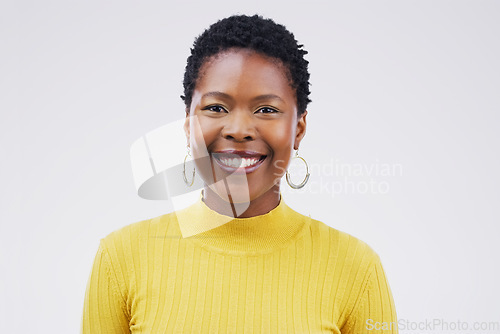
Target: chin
<point x="239" y="193"/>
<point x="230" y="192"/>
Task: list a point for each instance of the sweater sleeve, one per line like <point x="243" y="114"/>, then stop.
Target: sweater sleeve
<point x="105" y="308"/>
<point x="374" y="312"/>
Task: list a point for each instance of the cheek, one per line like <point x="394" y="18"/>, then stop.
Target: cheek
<point x="198" y="141"/>
<point x="281" y="140"/>
<point x="202" y="134"/>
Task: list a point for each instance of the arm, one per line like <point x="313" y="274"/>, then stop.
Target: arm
<point x="105" y="308"/>
<point x="374" y="312"/>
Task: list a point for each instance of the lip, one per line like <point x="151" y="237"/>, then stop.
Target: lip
<point x="238" y="154"/>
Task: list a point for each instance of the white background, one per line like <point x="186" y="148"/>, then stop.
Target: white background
<point x="403" y="83"/>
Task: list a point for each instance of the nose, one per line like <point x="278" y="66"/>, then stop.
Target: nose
<point x="238" y="126"/>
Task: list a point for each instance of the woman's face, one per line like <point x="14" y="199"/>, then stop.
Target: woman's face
<point x="246" y="121"/>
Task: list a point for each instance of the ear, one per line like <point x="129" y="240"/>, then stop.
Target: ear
<point x="301" y="130"/>
<point x="187" y="129"/>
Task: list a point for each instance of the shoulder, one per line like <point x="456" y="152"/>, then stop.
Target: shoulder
<point x="345" y="248"/>
<point x="351" y="263"/>
<point x="131" y="238"/>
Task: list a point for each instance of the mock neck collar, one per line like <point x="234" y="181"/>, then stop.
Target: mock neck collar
<point x="238" y="236"/>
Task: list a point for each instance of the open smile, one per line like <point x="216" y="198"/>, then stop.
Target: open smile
<point x="231" y="160"/>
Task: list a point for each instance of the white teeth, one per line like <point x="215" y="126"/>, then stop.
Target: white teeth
<point x="235" y="162"/>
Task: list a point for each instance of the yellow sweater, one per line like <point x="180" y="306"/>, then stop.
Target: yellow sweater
<point x="281" y="272"/>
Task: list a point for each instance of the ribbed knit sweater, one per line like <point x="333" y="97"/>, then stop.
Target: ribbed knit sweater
<point x="281" y="272"/>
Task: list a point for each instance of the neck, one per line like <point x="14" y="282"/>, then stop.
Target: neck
<point x="260" y="234"/>
<point x="256" y="206"/>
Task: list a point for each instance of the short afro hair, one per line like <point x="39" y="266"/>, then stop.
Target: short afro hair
<point x="258" y="34"/>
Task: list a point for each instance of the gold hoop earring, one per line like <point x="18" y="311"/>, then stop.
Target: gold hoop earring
<point x="303" y="183"/>
<point x="189" y="184"/>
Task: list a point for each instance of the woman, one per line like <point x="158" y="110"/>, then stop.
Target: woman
<point x="254" y="265"/>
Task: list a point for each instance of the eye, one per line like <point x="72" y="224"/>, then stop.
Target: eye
<point x="215" y="108"/>
<point x="266" y="110"/>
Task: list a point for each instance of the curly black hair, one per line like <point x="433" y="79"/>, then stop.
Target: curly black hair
<point x="258" y="34"/>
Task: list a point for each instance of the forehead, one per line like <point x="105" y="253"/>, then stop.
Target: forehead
<point x="245" y="69"/>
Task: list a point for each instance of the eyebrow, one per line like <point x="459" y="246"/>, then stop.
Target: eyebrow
<point x="228" y="97"/>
